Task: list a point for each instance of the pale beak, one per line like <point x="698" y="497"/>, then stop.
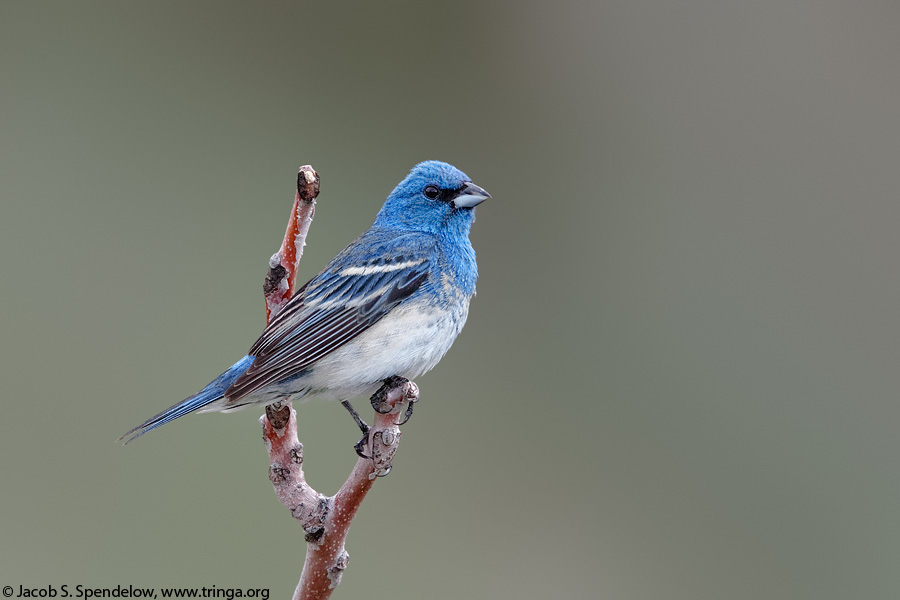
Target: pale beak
<point x="470" y="196"/>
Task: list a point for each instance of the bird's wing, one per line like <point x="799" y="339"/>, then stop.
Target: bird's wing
<point x="359" y="287"/>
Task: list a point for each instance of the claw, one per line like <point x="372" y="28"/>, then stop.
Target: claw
<point x="360" y="446"/>
<point x="409" y="411"/>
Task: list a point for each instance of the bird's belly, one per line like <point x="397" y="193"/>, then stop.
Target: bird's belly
<point x="408" y="342"/>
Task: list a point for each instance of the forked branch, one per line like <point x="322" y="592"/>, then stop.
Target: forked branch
<point x="325" y="519"/>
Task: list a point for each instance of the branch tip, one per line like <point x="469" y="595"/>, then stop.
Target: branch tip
<point x="307" y="183"/>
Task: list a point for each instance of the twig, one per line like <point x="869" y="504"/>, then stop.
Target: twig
<point x="325" y="520"/>
<point x="282" y="275"/>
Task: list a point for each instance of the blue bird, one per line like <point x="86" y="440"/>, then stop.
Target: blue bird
<point x="388" y="305"/>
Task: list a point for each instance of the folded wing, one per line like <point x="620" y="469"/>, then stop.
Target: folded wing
<point x="343" y="301"/>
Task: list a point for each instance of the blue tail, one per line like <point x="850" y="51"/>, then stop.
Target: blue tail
<point x="214" y="391"/>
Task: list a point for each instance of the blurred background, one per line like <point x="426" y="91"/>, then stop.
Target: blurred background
<point x="679" y="379"/>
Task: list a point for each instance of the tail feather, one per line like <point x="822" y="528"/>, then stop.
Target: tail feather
<point x="214" y="391"/>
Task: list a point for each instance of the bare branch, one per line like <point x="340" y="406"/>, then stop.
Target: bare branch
<point x="325" y="519"/>
<point x="282" y="275"/>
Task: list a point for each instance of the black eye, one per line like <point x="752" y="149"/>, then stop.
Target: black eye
<point x="432" y="192"/>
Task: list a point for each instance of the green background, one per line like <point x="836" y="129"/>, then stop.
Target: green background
<point x="679" y="379"/>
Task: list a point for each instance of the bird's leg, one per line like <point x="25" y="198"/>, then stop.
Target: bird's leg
<point x="363" y="426"/>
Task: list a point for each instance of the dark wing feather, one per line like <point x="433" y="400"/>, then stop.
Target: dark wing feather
<point x="325" y="314"/>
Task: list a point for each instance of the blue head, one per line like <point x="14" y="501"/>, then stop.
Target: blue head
<point x="435" y="197"/>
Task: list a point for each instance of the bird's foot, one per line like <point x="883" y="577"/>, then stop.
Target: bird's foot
<point x="384" y="402"/>
<point x="363" y="426"/>
<point x="381" y="400"/>
<point x="360" y="446"/>
<point x="388" y="400"/>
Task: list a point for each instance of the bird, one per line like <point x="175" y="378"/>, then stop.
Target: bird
<point x="388" y="306"/>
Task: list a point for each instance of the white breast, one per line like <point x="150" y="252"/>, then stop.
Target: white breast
<point x="408" y="342"/>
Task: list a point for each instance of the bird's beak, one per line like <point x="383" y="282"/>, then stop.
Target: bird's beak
<point x="470" y="196"/>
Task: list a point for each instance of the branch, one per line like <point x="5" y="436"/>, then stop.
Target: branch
<point x="325" y="520"/>
<point x="282" y="275"/>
